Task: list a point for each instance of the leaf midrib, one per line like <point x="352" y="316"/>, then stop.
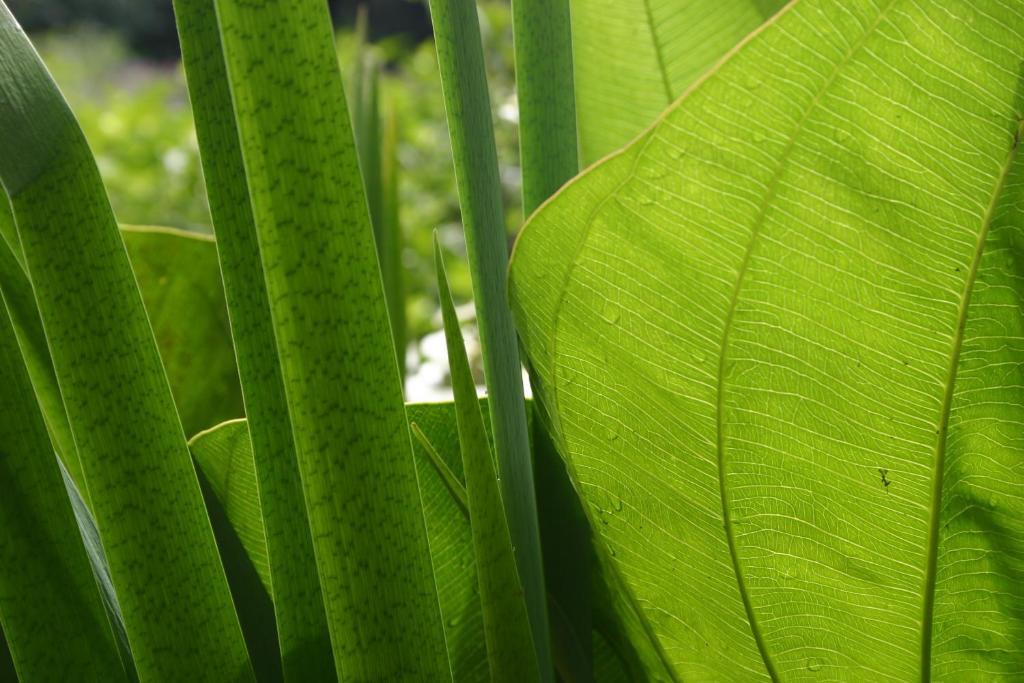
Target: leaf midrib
<point x="649" y="17"/>
<point x="770" y="194"/>
<point x="942" y="440"/>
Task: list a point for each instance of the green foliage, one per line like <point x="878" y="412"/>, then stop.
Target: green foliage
<point x="134" y="461"/>
<point x="776" y="342"/>
<point x="157" y="179"/>
<point x="507" y="631"/>
<point x="634" y="57"/>
<point x="179" y="280"/>
<point x="779" y="339"/>
<point x="467" y="104"/>
<point x="49" y="595"/>
<point x="333" y="340"/>
<point x="291" y="570"/>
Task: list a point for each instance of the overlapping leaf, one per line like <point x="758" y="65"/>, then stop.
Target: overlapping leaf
<point x="632" y="58"/>
<point x="510" y="652"/>
<point x="47" y="591"/>
<point x="311" y="233"/>
<point x="163" y="561"/>
<point x="225" y="457"/>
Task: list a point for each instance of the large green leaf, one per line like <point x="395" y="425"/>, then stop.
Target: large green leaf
<point x="50" y="609"/>
<point x="632" y="58"/>
<point x="181" y="288"/>
<point x="780" y="339"/>
<point x="333" y="340"/>
<point x="163" y="561"/>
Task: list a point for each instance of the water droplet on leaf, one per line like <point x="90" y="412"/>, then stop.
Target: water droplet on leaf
<point x="610" y="313"/>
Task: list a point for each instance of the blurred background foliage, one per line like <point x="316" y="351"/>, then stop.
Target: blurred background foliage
<point x="117" y="63"/>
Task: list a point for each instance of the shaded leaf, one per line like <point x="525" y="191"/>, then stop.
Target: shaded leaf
<point x="181" y="288"/>
<point x="48" y="594"/>
<point x="510" y="652"/>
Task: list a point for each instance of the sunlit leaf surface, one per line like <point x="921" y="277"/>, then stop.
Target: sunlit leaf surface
<point x="632" y="58"/>
<point x="780" y="339"/>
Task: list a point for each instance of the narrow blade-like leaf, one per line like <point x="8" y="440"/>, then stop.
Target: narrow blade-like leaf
<point x="301" y="619"/>
<point x="163" y="560"/>
<point x="50" y="609"/>
<point x="467" y="104"/>
<point x="331" y="333"/>
<point x="544" y="90"/>
<point x="506" y="621"/>
<point x="28" y="328"/>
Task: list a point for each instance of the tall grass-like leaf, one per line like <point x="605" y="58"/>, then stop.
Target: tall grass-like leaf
<point x="544" y="89"/>
<point x="163" y="561"/>
<point x="7" y="670"/>
<point x="390" y="240"/>
<point x="16" y="291"/>
<point x="781" y="334"/>
<point x="332" y="336"/>
<point x="467" y="104"/>
<point x="510" y="651"/>
<point x="377" y="142"/>
<point x="50" y="609"/>
<point x="632" y="58"/>
<point x="301" y="618"/>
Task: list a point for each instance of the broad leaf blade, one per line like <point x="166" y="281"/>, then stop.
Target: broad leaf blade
<point x="333" y="340"/>
<point x="224" y="455"/>
<point x="171" y="586"/>
<point x="510" y="650"/>
<point x="50" y="609"/>
<point x="633" y="58"/>
<point x="181" y="288"/>
<point x="779" y="339"/>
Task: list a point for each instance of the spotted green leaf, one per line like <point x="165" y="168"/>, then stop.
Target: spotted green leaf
<point x="178" y="614"/>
